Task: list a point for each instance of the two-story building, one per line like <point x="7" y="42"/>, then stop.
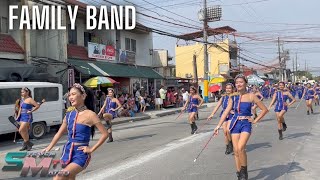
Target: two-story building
<point x="71" y="55"/>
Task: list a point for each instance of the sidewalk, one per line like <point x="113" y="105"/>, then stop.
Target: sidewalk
<point x="153" y="114"/>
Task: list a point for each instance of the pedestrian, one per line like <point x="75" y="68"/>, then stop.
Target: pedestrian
<point x="162" y="93"/>
<point x="137" y="95"/>
<point x="185" y="95"/>
<point x="300" y="90"/>
<point x="193" y="105"/>
<point x="25" y="117"/>
<point x="109" y="111"/>
<point x="223" y="102"/>
<point x="281" y="107"/>
<point x="256" y="92"/>
<point x="142" y="104"/>
<point x="240" y="125"/>
<point x="76" y="153"/>
<point x="309" y="94"/>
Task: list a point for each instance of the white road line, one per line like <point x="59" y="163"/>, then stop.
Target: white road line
<point x="103" y="173"/>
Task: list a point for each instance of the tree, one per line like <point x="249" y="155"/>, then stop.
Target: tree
<point x="304" y="73"/>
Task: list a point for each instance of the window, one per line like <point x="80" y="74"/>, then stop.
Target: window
<point x="47" y="93"/>
<point x="87" y="38"/>
<point x="127" y="43"/>
<point x="72" y="35"/>
<point x="131" y="44"/>
<point x="4" y="25"/>
<point x="9" y="96"/>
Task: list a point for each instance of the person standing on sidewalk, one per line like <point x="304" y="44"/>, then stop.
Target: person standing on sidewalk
<point x="137" y="95"/>
<point x="240" y="126"/>
<point x="193" y="105"/>
<point x="77" y="123"/>
<point x="27" y="107"/>
<point x="108" y="111"/>
<point x="162" y="93"/>
<point x="281" y="108"/>
<point x="224" y="103"/>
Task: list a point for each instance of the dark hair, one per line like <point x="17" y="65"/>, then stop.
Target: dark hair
<point x="242" y="77"/>
<point x="194" y="88"/>
<point x="281" y="82"/>
<point x="28" y="91"/>
<point x="230" y="84"/>
<point x="88" y="102"/>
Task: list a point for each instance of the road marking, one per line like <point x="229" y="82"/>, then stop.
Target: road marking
<point x="103" y="173"/>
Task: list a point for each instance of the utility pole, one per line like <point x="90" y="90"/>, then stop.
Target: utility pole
<point x="195" y="72"/>
<point x="239" y="58"/>
<point x="280" y="69"/>
<point x="293" y="78"/>
<point x="205" y="38"/>
<point x="305" y="68"/>
<point x="297" y="65"/>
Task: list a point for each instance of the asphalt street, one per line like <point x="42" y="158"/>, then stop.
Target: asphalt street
<point x="163" y="149"/>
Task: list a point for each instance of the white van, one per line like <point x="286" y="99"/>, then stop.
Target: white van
<point x="49" y="114"/>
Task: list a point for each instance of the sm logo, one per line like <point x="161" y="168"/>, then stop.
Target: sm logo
<point x="15" y="163"/>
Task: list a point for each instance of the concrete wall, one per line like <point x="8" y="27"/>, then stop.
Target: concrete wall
<point x="144" y="43"/>
<point x="160" y="58"/>
<point x="184" y="58"/>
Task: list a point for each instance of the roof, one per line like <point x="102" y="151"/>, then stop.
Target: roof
<point x="8" y="44"/>
<point x="77" y="52"/>
<point x="28" y="84"/>
<point x="211" y="32"/>
<point x="99" y="68"/>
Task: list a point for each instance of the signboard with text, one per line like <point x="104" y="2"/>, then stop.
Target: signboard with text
<point x="101" y="51"/>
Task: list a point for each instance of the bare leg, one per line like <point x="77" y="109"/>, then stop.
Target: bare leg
<point x="73" y="170"/>
<point x="235" y="141"/>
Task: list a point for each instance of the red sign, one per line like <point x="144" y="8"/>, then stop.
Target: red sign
<point x="110" y="51"/>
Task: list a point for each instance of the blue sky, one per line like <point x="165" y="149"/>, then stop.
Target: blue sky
<point x="292" y="20"/>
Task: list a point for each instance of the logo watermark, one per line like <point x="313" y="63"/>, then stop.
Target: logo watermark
<point x="45" y="161"/>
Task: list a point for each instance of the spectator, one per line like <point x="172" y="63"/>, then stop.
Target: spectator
<point x="142" y="104"/>
<point x="137" y="95"/>
<point x="121" y="99"/>
<point x="185" y="95"/>
<point x="162" y="93"/>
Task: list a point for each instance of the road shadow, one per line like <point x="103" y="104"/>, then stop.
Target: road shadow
<point x="275" y="172"/>
<point x="297" y="135"/>
<point x="266" y="120"/>
<point x="136" y="137"/>
<point x="251" y="147"/>
<point x="142" y="125"/>
<point x="316" y="113"/>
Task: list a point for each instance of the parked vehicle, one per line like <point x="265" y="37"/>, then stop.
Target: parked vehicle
<point x="49" y="114"/>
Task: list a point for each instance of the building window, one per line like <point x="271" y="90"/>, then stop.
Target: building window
<point x="4" y="25"/>
<point x="72" y="35"/>
<point x="131" y="44"/>
<point x="87" y="38"/>
<point x="49" y="93"/>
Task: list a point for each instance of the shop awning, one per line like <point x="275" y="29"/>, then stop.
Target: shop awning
<point x="11" y="70"/>
<point x="99" y="68"/>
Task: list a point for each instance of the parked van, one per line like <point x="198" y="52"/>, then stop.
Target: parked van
<point x="49" y="114"/>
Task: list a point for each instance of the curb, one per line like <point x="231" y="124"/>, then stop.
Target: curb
<point x="128" y="120"/>
<point x="175" y="111"/>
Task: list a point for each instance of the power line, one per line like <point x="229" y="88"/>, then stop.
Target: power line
<point x="171" y="12"/>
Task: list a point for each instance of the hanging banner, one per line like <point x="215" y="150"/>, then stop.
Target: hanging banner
<point x="70" y="77"/>
<point x="101" y="51"/>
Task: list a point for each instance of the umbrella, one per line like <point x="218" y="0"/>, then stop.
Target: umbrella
<point x="214" y="88"/>
<point x="217" y="80"/>
<point x="99" y="80"/>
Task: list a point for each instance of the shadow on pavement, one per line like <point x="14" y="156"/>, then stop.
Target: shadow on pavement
<point x="251" y="147"/>
<point x="142" y="125"/>
<point x="297" y="135"/>
<point x="275" y="172"/>
<point x="135" y="137"/>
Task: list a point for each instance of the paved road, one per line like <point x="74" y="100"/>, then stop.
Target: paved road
<point x="163" y="149"/>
